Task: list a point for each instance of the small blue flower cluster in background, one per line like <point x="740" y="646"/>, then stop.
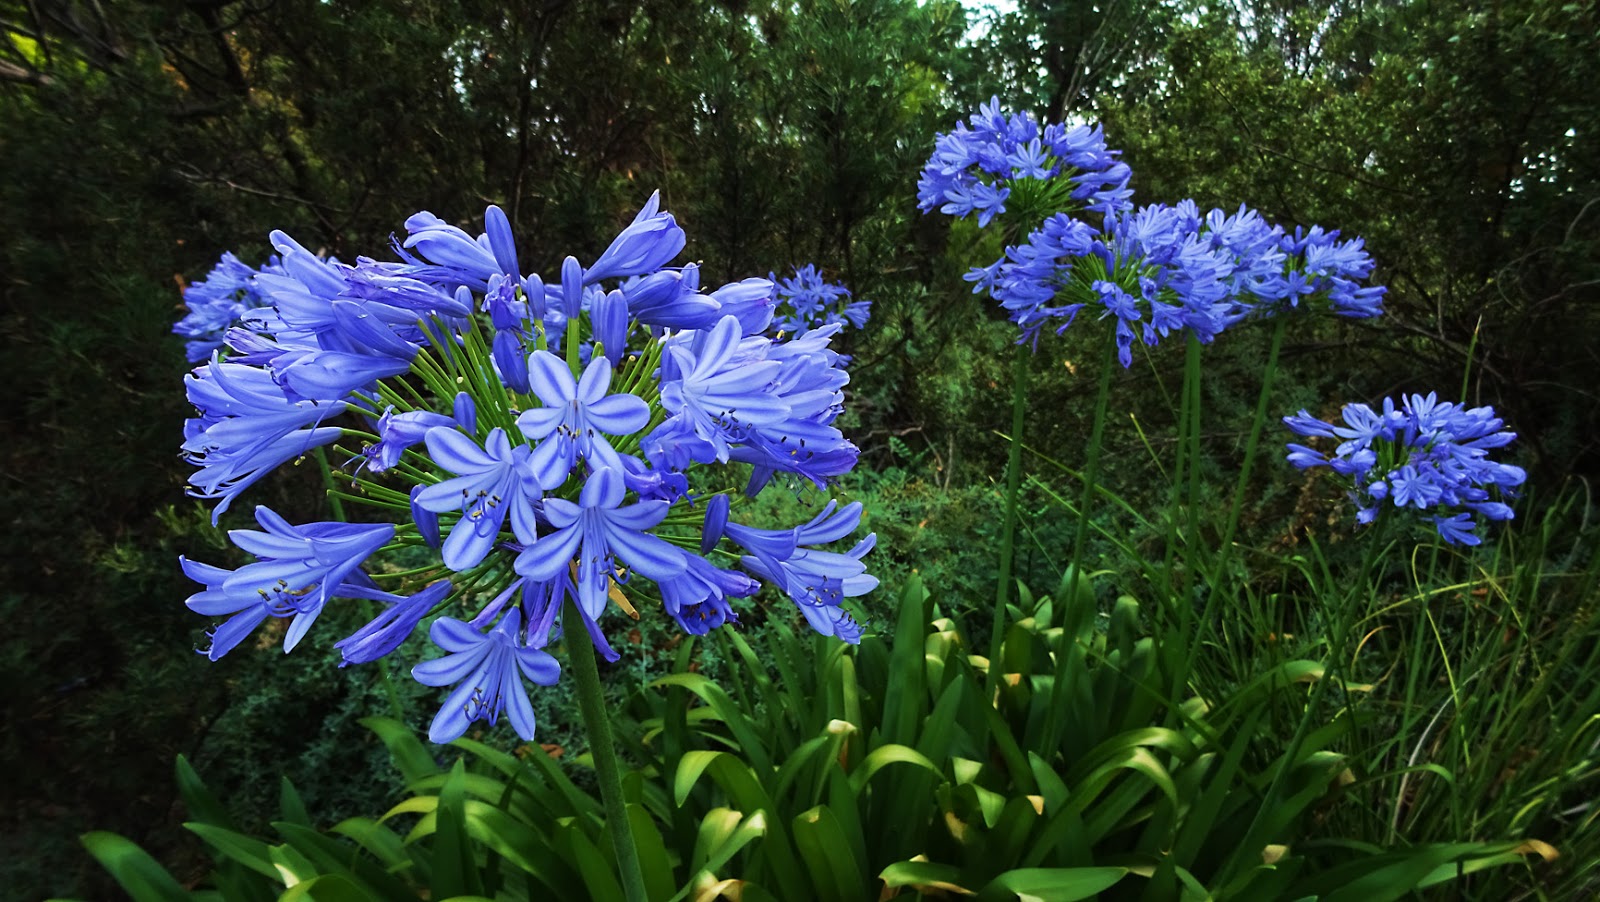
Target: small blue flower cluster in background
<point x="1152" y="270"/>
<point x="1426" y="454"/>
<point x="805" y="302"/>
<point x="532" y="437"/>
<point x="975" y="168"/>
<point x="217" y="303"/>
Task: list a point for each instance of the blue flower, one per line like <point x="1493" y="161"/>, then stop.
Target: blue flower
<point x="1423" y="454"/>
<point x="455" y="258"/>
<point x="975" y="168"/>
<point x="805" y="301"/>
<point x="393" y="626"/>
<point x="489" y="669"/>
<point x="247" y="427"/>
<point x="647" y="244"/>
<point x="495" y="480"/>
<point x="397" y="432"/>
<point x="716" y="389"/>
<point x="698" y="599"/>
<point x="217" y="303"/>
<point x="576" y="418"/>
<point x="578" y="497"/>
<point x="298" y="569"/>
<point x="598" y="529"/>
<point x="751" y="301"/>
<point x="813" y="579"/>
<point x="671" y="298"/>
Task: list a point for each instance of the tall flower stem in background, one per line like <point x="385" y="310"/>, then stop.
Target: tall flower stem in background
<point x="1019" y="405"/>
<point x="1267" y="377"/>
<point x="602" y="747"/>
<point x="1345" y="611"/>
<point x="1091" y="467"/>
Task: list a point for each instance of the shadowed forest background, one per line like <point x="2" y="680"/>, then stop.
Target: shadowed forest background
<point x="140" y="140"/>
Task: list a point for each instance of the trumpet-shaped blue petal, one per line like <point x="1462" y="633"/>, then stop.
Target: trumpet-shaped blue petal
<point x="489" y="669"/>
<point x="385" y="633"/>
<point x="647" y="244"/>
<point x="299" y="569"/>
<point x="496" y="480"/>
<point x="598" y="530"/>
<point x="576" y="417"/>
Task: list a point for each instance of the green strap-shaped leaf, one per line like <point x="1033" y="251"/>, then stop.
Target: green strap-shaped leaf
<point x="414" y="805"/>
<point x="846" y="808"/>
<point x="293" y="867"/>
<point x="247" y="850"/>
<point x="738" y="780"/>
<point x="835" y="873"/>
<point x="743" y="727"/>
<point x="652" y="850"/>
<point x="379" y="841"/>
<point x="811" y="753"/>
<point x="328" y="888"/>
<point x="905" y="702"/>
<point x="722" y="834"/>
<point x="334" y="857"/>
<point x="488" y="789"/>
<point x="410" y="756"/>
<point x="1381" y="878"/>
<point x="733" y="775"/>
<point x="781" y="704"/>
<point x="939" y="729"/>
<point x="1162" y="738"/>
<point x="455" y="871"/>
<point x="291" y="805"/>
<point x="1051" y="884"/>
<point x="1051" y="786"/>
<point x="882" y="757"/>
<point x="925" y="875"/>
<point x="133" y="868"/>
<point x="599" y="880"/>
<point x="203" y="806"/>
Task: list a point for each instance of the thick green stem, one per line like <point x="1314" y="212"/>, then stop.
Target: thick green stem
<point x="1191" y="379"/>
<point x="1091" y="467"/>
<point x="592" y="705"/>
<point x="1019" y="405"/>
<point x="1256" y="426"/>
<point x="334" y="504"/>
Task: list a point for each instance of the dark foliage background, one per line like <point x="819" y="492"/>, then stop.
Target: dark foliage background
<point x="138" y="140"/>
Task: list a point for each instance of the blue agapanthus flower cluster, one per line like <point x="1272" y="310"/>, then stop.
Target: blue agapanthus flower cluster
<point x="532" y="438"/>
<point x="1425" y="454"/>
<point x="217" y="303"/>
<point x="1151" y="270"/>
<point x="805" y="301"/>
<point x="976" y="167"/>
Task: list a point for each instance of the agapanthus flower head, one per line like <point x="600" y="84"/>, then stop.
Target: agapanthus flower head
<point x="1161" y="269"/>
<point x="981" y="164"/>
<point x="1423" y="455"/>
<point x="534" y="432"/>
<point x="1319" y="263"/>
<point x="1150" y="271"/>
<point x="806" y="301"/>
<point x="218" y="303"/>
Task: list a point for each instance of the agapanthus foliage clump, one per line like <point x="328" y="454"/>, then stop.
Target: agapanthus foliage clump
<point x="1426" y="455"/>
<point x="534" y="439"/>
<point x="1152" y="270"/>
<point x="219" y="302"/>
